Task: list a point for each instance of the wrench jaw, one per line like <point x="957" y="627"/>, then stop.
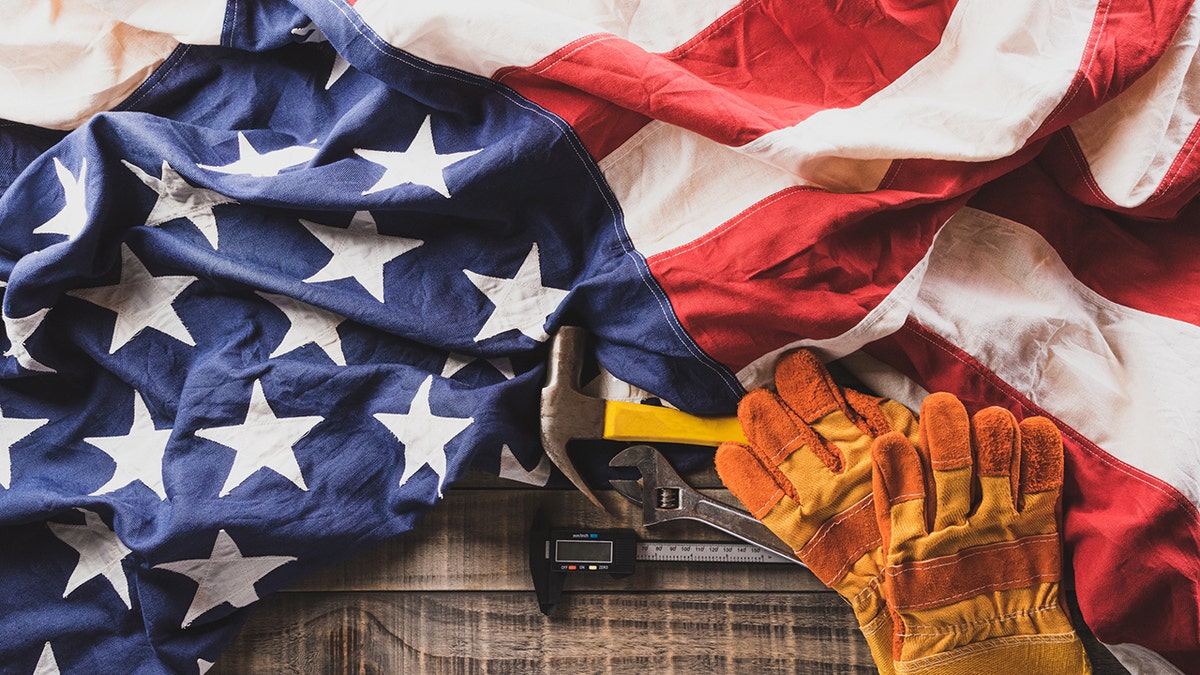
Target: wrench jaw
<point x="665" y="496"/>
<point x="660" y="489"/>
<point x="662" y="492"/>
<point x="629" y="489"/>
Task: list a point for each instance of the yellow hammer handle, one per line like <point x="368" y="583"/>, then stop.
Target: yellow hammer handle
<point x="624" y="421"/>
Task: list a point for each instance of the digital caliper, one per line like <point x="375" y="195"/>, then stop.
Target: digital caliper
<point x="555" y="553"/>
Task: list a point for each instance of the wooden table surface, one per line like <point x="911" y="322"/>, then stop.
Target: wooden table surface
<point x="455" y="596"/>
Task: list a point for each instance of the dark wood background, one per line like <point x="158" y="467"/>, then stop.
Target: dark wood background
<point x="455" y="596"/>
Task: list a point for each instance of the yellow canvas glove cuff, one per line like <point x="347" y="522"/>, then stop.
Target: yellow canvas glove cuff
<point x="806" y="474"/>
<point x="968" y="517"/>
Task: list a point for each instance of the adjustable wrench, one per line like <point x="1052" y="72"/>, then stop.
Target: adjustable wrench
<point x="664" y="496"/>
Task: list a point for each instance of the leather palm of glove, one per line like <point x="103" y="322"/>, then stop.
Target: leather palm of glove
<point x="969" y="519"/>
<point x="806" y="474"/>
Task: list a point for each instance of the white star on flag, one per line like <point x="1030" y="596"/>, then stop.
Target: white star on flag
<point x="522" y="302"/>
<point x="179" y="199"/>
<point x="420" y="164"/>
<point x="311" y="33"/>
<point x="100" y="554"/>
<point x="47" y="664"/>
<point x="73" y="216"/>
<point x="337" y="70"/>
<point x="424" y="435"/>
<point x="12" y="430"/>
<point x="512" y="469"/>
<point x="262" y="441"/>
<point x="138" y="454"/>
<point x="308" y="324"/>
<point x="261" y="165"/>
<point x="141" y="300"/>
<point x="456" y="362"/>
<point x="19" y="331"/>
<point x="225" y="576"/>
<point x="359" y="252"/>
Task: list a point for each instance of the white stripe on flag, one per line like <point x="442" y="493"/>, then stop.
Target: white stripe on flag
<point x="1141" y="661"/>
<point x="65" y="61"/>
<point x="1123" y="378"/>
<point x="483" y="36"/>
<point x="195" y="22"/>
<point x="1130" y="142"/>
<point x="656" y="26"/>
<point x="1000" y="70"/>
<point x="676" y="186"/>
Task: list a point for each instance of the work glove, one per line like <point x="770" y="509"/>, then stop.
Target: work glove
<point x="973" y="583"/>
<point x="806" y="474"/>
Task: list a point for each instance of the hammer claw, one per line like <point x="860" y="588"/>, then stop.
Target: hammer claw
<point x="566" y="413"/>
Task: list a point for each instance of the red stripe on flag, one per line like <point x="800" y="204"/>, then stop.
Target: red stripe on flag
<point x="770" y="64"/>
<point x="1066" y="162"/>
<point x="1146" y="266"/>
<point x="802" y="263"/>
<point x="809" y="264"/>
<point x="762" y="66"/>
<point x="601" y="125"/>
<point x="1127" y="39"/>
<point x="1134" y="540"/>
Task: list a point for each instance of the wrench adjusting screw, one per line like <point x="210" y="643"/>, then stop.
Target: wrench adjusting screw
<point x="667" y="497"/>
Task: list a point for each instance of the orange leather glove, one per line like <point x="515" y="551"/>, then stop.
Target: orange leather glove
<point x="806" y="474"/>
<point x="973" y="584"/>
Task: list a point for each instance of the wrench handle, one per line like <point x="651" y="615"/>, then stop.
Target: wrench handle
<point x="741" y="525"/>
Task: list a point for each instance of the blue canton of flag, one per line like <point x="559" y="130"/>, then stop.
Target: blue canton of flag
<point x="263" y="314"/>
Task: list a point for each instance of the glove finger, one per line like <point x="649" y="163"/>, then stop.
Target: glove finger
<point x="998" y="453"/>
<point x="803" y="382"/>
<point x="810" y="392"/>
<point x="756" y="485"/>
<point x="898" y="487"/>
<point x="946" y="438"/>
<point x="775" y="434"/>
<point x="1041" y="457"/>
<point x="870" y="416"/>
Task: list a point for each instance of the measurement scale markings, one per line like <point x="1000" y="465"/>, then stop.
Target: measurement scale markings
<point x="666" y="551"/>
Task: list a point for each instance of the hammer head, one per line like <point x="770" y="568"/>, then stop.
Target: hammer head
<point x="567" y="413"/>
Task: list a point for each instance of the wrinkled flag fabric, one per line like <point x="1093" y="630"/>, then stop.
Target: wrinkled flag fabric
<point x="277" y="273"/>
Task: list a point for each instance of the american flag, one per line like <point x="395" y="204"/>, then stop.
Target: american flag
<point x="277" y="273"/>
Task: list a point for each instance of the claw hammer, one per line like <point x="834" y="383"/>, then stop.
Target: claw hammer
<point x="569" y="414"/>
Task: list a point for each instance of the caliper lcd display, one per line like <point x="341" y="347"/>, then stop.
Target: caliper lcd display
<point x="583" y="551"/>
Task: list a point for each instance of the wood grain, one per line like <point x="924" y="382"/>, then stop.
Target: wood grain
<point x="455" y="596"/>
<point x="476" y="540"/>
<point x="612" y="632"/>
<point x="694" y="632"/>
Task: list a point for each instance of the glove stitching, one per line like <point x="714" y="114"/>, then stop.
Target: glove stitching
<point x="955" y="627"/>
<point x="875" y="625"/>
<point x="987" y="645"/>
<point x="872" y="585"/>
<point x="768" y="504"/>
<point x="787" y="448"/>
<point x="840" y="518"/>
<point x="870" y="545"/>
<point x="959" y="558"/>
<point x="1050" y="577"/>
